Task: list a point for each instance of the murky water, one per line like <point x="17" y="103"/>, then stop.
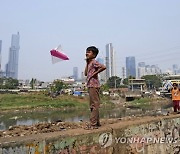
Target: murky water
<point x="33" y="117"/>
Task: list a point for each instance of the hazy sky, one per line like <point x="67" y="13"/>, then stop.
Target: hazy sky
<point x="146" y="29"/>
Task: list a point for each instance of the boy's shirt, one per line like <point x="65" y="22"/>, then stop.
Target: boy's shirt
<point x="92" y="67"/>
<point x="175" y="94"/>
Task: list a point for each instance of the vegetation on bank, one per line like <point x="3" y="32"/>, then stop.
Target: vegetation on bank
<point x="142" y="103"/>
<point x="149" y="103"/>
<point x="35" y="100"/>
<point x="8" y="83"/>
<point x="41" y="100"/>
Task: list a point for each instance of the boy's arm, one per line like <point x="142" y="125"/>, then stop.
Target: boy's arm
<point x="86" y="69"/>
<point x="99" y="70"/>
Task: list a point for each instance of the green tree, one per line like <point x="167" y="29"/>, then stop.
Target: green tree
<point x="104" y="87"/>
<point x="8" y="83"/>
<point x="114" y="82"/>
<point x="58" y="85"/>
<point x="153" y="81"/>
<point x="126" y="80"/>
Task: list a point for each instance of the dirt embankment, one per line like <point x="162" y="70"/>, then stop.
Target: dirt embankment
<point x="15" y="131"/>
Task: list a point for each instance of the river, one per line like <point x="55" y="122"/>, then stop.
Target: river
<point x="35" y="116"/>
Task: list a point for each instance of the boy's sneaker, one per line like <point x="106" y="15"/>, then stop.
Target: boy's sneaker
<point x="90" y="127"/>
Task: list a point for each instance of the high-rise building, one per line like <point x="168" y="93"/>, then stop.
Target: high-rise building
<point x="110" y="61"/>
<point x="75" y="73"/>
<point x="141" y="64"/>
<point x="12" y="65"/>
<point x="83" y="77"/>
<point x="144" y="69"/>
<point x="175" y="69"/>
<point x="141" y="69"/>
<point x="0" y="53"/>
<point x="130" y="66"/>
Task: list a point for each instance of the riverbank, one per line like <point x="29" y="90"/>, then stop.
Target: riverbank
<point x="150" y="103"/>
<point x="55" y="127"/>
<point x="41" y="101"/>
<point x="109" y="109"/>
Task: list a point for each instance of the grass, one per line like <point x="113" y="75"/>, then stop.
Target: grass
<point x="35" y="100"/>
<point x="106" y="101"/>
<point x="142" y="103"/>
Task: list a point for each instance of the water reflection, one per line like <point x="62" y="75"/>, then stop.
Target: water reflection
<point x="34" y="117"/>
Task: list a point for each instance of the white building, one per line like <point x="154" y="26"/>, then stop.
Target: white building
<point x="110" y="61"/>
<point x="75" y="73"/>
<point x="147" y="69"/>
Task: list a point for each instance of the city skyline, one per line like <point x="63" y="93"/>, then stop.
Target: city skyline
<point x="137" y="71"/>
<point x="131" y="26"/>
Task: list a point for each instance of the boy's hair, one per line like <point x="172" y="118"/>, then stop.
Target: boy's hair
<point x="175" y="84"/>
<point x="93" y="49"/>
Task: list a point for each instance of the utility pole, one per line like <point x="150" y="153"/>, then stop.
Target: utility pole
<point x="115" y="83"/>
<point x="123" y="75"/>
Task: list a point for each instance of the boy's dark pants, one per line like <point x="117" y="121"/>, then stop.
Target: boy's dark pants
<point x="94" y="105"/>
<point x="176" y="105"/>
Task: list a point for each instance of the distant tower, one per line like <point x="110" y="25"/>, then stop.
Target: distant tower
<point x="12" y="65"/>
<point x="130" y="66"/>
<point x="110" y="61"/>
<point x="175" y="68"/>
<point x="75" y="73"/>
<point x="0" y="53"/>
<point x="141" y="69"/>
<point x="83" y="77"/>
<point x="123" y="73"/>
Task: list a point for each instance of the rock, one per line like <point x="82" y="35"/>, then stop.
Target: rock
<point x="10" y="127"/>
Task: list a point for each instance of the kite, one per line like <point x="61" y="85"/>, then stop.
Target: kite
<point x="57" y="55"/>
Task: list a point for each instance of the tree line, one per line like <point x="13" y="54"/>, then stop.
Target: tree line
<point x="152" y="82"/>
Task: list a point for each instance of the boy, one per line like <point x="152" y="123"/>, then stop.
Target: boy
<point x="175" y="91"/>
<point x="91" y="71"/>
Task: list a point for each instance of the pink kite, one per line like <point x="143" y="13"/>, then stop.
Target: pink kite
<point x="57" y="55"/>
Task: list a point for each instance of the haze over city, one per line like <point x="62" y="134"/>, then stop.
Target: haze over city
<point x="148" y="30"/>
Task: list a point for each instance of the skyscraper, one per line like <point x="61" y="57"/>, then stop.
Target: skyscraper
<point x="130" y="66"/>
<point x="110" y="61"/>
<point x="75" y="73"/>
<point x="175" y="69"/>
<point x="0" y="52"/>
<point x="12" y="65"/>
<point x="141" y="69"/>
<point x="144" y="69"/>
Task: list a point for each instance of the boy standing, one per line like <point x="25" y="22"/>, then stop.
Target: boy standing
<point x="175" y="91"/>
<point x="91" y="71"/>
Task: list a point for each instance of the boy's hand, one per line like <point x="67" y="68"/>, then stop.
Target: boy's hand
<point x="87" y="60"/>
